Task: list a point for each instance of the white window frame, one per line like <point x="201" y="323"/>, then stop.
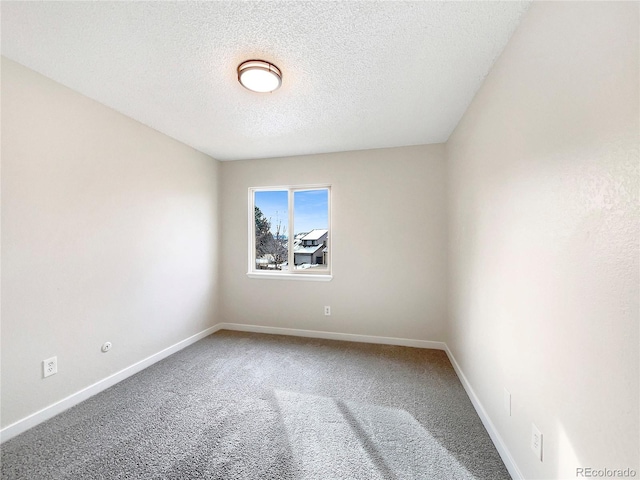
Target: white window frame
<point x="323" y="275"/>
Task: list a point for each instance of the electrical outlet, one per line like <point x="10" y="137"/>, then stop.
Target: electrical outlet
<point x="536" y="441"/>
<point x="507" y="402"/>
<point x="50" y="366"/>
<point x="327" y="310"/>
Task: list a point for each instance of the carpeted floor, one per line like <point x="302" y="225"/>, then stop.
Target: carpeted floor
<point x="252" y="406"/>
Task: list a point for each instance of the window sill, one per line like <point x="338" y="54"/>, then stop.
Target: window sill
<point x="292" y="276"/>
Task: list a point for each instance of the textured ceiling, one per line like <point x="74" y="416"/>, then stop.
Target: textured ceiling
<point x="356" y="75"/>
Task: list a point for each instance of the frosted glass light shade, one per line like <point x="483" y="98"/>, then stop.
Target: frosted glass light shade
<point x="259" y="76"/>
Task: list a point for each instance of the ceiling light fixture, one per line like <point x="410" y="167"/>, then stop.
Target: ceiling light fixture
<point x="259" y="76"/>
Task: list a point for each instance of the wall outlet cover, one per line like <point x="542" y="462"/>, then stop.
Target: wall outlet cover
<point x="50" y="366"/>
<point x="507" y="402"/>
<point x="536" y="441"/>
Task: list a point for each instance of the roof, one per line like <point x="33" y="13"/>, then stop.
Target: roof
<point x="315" y="234"/>
<point x="309" y="249"/>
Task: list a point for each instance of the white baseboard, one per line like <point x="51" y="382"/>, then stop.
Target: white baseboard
<point x="46" y="413"/>
<point x="508" y="460"/>
<point x="513" y="469"/>
<point x="349" y="337"/>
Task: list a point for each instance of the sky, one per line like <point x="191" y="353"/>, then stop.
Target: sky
<point x="311" y="208"/>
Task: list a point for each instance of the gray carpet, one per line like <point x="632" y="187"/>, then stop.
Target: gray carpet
<point x="252" y="406"/>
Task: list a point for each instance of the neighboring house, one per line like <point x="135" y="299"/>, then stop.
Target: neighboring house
<point x="311" y="248"/>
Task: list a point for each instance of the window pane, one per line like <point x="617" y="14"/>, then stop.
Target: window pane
<point x="271" y="219"/>
<point x="311" y="226"/>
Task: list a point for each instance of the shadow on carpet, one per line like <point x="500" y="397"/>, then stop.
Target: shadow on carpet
<point x="252" y="406"/>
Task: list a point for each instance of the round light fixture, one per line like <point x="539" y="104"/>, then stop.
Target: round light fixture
<point x="259" y="76"/>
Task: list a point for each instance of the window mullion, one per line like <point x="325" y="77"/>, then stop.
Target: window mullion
<point x="291" y="236"/>
<point x="252" y="232"/>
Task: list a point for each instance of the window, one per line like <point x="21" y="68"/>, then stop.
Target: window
<point x="289" y="232"/>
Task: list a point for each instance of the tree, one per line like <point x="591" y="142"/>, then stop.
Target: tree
<point x="268" y="245"/>
<point x="263" y="233"/>
<point x="278" y="244"/>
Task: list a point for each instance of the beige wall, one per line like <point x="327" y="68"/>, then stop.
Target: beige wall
<point x="109" y="232"/>
<point x="388" y="245"/>
<point x="543" y="207"/>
